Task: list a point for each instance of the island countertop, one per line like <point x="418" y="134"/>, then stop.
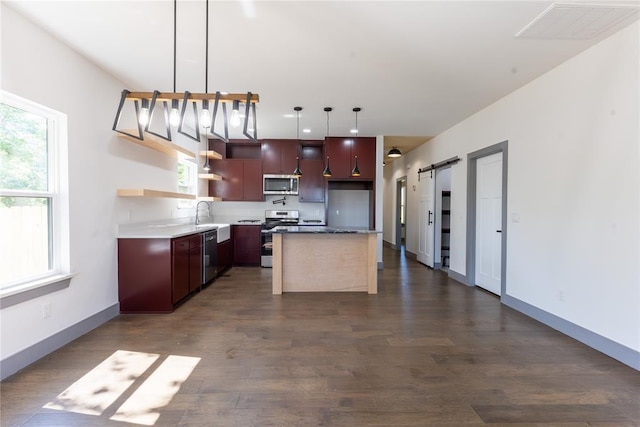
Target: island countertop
<point x="322" y="229"/>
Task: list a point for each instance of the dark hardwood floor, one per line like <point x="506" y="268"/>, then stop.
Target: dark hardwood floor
<point x="425" y="351"/>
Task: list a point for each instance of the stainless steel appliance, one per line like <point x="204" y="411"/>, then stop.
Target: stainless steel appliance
<point x="272" y="219"/>
<point x="209" y="256"/>
<point x="280" y="184"/>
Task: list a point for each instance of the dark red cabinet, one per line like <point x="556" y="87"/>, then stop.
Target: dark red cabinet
<point x="246" y="244"/>
<point x="241" y="180"/>
<point x="342" y="154"/>
<point x="225" y="255"/>
<point x="154" y="275"/>
<point x="312" y="182"/>
<point x="279" y="156"/>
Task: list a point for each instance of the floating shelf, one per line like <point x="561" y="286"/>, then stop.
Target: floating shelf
<point x="214" y="155"/>
<point x="158" y="144"/>
<point x="210" y="176"/>
<point x="143" y="192"/>
<point x="210" y="199"/>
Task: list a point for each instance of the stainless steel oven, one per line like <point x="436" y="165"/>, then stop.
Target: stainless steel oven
<point x="272" y="219"/>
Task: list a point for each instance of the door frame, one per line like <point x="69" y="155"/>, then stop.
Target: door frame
<point x="472" y="170"/>
<point x="399" y="181"/>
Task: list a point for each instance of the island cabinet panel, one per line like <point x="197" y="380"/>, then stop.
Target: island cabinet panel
<point x="246" y="245"/>
<point x="342" y="152"/>
<point x="279" y="156"/>
<point x="225" y="255"/>
<point x="241" y="179"/>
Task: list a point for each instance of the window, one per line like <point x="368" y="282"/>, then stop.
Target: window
<point x="30" y="197"/>
<point x="187" y="181"/>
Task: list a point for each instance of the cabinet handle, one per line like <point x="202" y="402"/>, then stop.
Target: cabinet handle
<point x="429" y="222"/>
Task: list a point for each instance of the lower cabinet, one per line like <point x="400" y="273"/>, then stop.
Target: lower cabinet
<point x="155" y="275"/>
<point x="186" y="266"/>
<point x="246" y="244"/>
<point x="225" y="255"/>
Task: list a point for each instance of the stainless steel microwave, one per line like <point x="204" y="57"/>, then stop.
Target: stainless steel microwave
<point x="280" y="184"/>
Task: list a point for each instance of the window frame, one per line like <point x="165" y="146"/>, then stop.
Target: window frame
<point x="57" y="194"/>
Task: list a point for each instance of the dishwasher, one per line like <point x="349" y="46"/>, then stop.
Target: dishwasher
<point x="209" y="256"/>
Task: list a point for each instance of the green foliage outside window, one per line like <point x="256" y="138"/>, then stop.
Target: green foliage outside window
<point x="23" y="154"/>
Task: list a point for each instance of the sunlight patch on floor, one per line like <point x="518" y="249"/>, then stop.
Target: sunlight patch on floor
<point x="99" y="389"/>
<point x="157" y="391"/>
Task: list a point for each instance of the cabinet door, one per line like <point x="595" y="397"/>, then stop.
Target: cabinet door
<point x="312" y="182"/>
<point x="231" y="186"/>
<point x="271" y="156"/>
<point x="180" y="269"/>
<point x="195" y="262"/>
<point x="289" y="154"/>
<point x="252" y="181"/>
<point x="225" y="255"/>
<point x="246" y="244"/>
<point x="365" y="149"/>
<point x="339" y="152"/>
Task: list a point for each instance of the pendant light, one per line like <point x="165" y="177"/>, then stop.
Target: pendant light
<point x="327" y="170"/>
<point x="174" y="116"/>
<point x="356" y="171"/>
<point x="297" y="172"/>
<point x="394" y="152"/>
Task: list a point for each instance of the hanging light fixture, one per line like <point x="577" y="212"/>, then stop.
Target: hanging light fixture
<point x="355" y="171"/>
<point x="297" y="172"/>
<point x="327" y="170"/>
<point x="394" y="152"/>
<point x="234" y="121"/>
<point x="175" y="116"/>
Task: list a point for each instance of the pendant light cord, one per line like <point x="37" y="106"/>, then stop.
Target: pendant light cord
<point x="175" y="37"/>
<point x="206" y="47"/>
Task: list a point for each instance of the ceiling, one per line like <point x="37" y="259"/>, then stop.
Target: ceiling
<point x="416" y="68"/>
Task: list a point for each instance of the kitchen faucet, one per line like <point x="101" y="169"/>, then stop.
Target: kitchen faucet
<point x="198" y="208"/>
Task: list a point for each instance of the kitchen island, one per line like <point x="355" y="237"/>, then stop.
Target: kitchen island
<point x="324" y="259"/>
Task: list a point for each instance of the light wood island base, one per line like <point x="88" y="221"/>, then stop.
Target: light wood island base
<point x="324" y="262"/>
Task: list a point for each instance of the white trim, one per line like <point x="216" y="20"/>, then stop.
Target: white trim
<point x="56" y="192"/>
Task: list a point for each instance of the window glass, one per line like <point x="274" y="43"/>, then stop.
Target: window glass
<point x="23" y="150"/>
<point x="28" y="191"/>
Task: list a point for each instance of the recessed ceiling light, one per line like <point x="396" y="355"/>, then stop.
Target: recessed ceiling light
<point x="289" y="116"/>
<point x="306" y="130"/>
<point x="354" y="130"/>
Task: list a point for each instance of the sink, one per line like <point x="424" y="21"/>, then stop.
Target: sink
<point x="224" y="232"/>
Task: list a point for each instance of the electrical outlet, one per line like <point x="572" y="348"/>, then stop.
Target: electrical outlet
<point x="561" y="294"/>
<point x="46" y="310"/>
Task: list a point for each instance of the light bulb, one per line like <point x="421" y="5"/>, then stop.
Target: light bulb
<point x="234" y="120"/>
<point x="205" y="115"/>
<point x="143" y="117"/>
<point x="174" y="117"/>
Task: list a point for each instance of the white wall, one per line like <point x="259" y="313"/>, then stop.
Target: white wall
<point x="40" y="68"/>
<point x="574" y="181"/>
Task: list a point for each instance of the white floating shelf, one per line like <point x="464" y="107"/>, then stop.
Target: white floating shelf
<point x="210" y="199"/>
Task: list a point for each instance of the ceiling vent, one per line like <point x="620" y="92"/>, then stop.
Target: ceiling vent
<point x="578" y="21"/>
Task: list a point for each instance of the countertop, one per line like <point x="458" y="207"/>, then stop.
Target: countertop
<point x="321" y="229"/>
<point x="163" y="231"/>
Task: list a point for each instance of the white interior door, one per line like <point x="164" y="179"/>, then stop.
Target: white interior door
<point x="426" y="212"/>
<point x="489" y="222"/>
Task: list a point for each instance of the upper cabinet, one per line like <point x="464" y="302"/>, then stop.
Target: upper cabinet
<point x="312" y="183"/>
<point x="239" y="171"/>
<point x="342" y="153"/>
<point x="279" y="156"/>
